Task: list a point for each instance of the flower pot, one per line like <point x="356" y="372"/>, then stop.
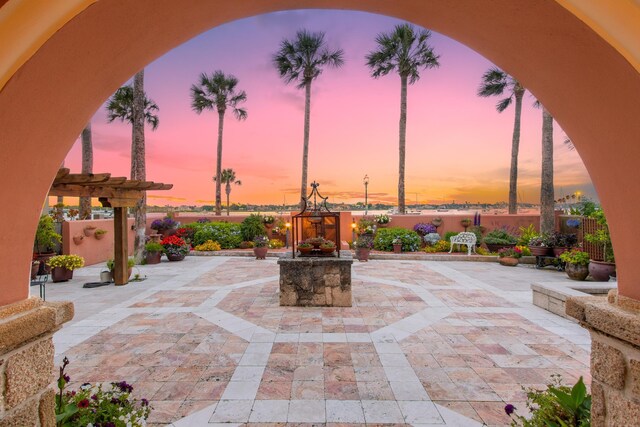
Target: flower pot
<point x="383" y="225"/>
<point x="260" y="253"/>
<point x="35" y="266"/>
<point x="153" y="257"/>
<point x="601" y="271"/>
<point x="362" y="254"/>
<point x="327" y="250"/>
<point x="540" y="250"/>
<point x="61" y="274"/>
<point x="100" y="236"/>
<point x="436" y="222"/>
<point x="305" y="251"/>
<point x="496" y="247"/>
<point x="559" y="251"/>
<point x="576" y="271"/>
<point x="89" y="230"/>
<point x="43" y="258"/>
<point x="508" y="261"/>
<point x="397" y="249"/>
<point x="78" y="239"/>
<point x="175" y="257"/>
<point x="156" y="237"/>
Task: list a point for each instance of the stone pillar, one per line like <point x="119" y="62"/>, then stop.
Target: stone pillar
<point x="614" y="325"/>
<point x="26" y="361"/>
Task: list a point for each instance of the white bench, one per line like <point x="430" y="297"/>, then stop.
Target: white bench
<point x="464" y="238"/>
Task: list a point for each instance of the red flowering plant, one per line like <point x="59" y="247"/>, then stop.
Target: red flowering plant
<point x="98" y="405"/>
<point x="186" y="233"/>
<point x="174" y="245"/>
<point x="509" y="252"/>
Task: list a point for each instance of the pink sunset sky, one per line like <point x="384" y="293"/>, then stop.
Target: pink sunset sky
<point x="458" y="146"/>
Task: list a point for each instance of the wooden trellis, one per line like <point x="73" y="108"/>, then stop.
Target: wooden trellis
<point x="118" y="193"/>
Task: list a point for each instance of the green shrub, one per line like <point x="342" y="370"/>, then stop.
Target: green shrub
<point x="228" y="235"/>
<point x="478" y="231"/>
<point x="46" y="236"/>
<point x="276" y="244"/>
<point x="576" y="257"/>
<point x="449" y="234"/>
<point x="526" y="234"/>
<point x="153" y="247"/>
<point x="500" y="237"/>
<point x="385" y="237"/>
<point x="252" y="227"/>
<point x="442" y="246"/>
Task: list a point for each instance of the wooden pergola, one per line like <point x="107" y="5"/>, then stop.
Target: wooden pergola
<point x="118" y="193"/>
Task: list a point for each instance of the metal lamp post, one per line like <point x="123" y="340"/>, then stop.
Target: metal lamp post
<point x="365" y="180"/>
<point x="353" y="232"/>
<point x="287" y="233"/>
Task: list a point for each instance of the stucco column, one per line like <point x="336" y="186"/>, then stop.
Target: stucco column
<point x="614" y="325"/>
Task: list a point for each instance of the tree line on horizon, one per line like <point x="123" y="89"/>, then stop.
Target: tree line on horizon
<point x="301" y="60"/>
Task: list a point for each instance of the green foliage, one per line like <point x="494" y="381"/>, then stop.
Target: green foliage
<point x="576" y="257"/>
<point x="153" y="247"/>
<point x="70" y="262"/>
<point x="385" y="237"/>
<point x="442" y="246"/>
<point x="483" y="251"/>
<point x="526" y="234"/>
<point x="585" y="207"/>
<point x="276" y="244"/>
<point x="557" y="406"/>
<point x="246" y="245"/>
<point x="500" y="237"/>
<point x="111" y="263"/>
<point x="478" y="230"/>
<point x="252" y="227"/>
<point x="228" y="235"/>
<point x="209" y="245"/>
<point x="366" y="226"/>
<point x="449" y="234"/>
<point x="46" y="236"/>
<point x="100" y="231"/>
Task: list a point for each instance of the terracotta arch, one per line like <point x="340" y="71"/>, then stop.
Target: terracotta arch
<point x="590" y="87"/>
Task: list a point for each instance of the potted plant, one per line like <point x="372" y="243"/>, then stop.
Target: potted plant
<point x="315" y="241"/>
<point x="509" y="256"/>
<point x="577" y="267"/>
<point x="465" y="222"/>
<point x="602" y="269"/>
<point x="130" y="263"/>
<point x="327" y="247"/>
<point x="268" y="221"/>
<point x="305" y="248"/>
<point x="562" y="242"/>
<point x="423" y="228"/>
<point x="45" y="242"/>
<point x="165" y="226"/>
<point x="99" y="233"/>
<point x="539" y="246"/>
<point x="397" y="245"/>
<point x="246" y="245"/>
<point x="175" y="248"/>
<point x="382" y="220"/>
<point x="436" y="222"/>
<point x="78" y="240"/>
<point x="62" y="266"/>
<point x="89" y="230"/>
<point x="363" y="247"/>
<point x="261" y="247"/>
<point x="366" y="227"/>
<point x="153" y="252"/>
<point x="499" y="239"/>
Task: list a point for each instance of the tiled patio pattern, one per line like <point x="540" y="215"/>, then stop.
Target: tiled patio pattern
<point x="425" y="343"/>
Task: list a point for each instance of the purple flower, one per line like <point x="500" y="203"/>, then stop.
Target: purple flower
<point x="66" y="377"/>
<point x="144" y="402"/>
<point x="424" y="229"/>
<point x="509" y="409"/>
<point x="84" y="403"/>
<point x="123" y="386"/>
<point x="94" y="397"/>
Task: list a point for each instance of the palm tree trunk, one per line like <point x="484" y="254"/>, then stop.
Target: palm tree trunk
<point x="87" y="167"/>
<point x="138" y="167"/>
<point x="219" y="163"/>
<point x="515" y="148"/>
<point x="547" y="220"/>
<point x="402" y="143"/>
<point x="305" y="146"/>
<point x="228" y="191"/>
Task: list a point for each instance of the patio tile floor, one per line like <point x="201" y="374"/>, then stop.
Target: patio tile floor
<point x="425" y="343"/>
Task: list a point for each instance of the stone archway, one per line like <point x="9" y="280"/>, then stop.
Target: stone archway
<point x="588" y="84"/>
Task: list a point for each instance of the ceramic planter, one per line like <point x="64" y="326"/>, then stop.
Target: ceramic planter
<point x="601" y="271"/>
<point x="305" y="251"/>
<point x="559" y="251"/>
<point x="397" y="249"/>
<point x="89" y="230"/>
<point x="508" y="261"/>
<point x="576" y="272"/>
<point x="540" y="250"/>
<point x="78" y="239"/>
<point x="61" y="274"/>
<point x="260" y="253"/>
<point x="362" y="254"/>
<point x="328" y="250"/>
<point x="99" y="236"/>
<point x="153" y="257"/>
<point x="175" y="257"/>
<point x="496" y="247"/>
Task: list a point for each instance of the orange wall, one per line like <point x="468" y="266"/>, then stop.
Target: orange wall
<point x="93" y="251"/>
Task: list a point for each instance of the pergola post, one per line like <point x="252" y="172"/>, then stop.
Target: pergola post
<point x="121" y="255"/>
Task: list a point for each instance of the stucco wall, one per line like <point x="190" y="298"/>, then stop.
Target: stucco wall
<point x="93" y="251"/>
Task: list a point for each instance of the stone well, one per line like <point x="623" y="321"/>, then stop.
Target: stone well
<point x="316" y="281"/>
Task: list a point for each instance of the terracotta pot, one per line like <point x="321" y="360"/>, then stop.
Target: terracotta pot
<point x="43" y="258"/>
<point x="601" y="271"/>
<point x="577" y="272"/>
<point x="397" y="249"/>
<point x="382" y="225"/>
<point x="61" y="274"/>
<point x="436" y="222"/>
<point x="559" y="251"/>
<point x="155" y="237"/>
<point x="176" y="257"/>
<point x="89" y="230"/>
<point x="100" y="236"/>
<point x="260" y="253"/>
<point x="540" y="250"/>
<point x="35" y="266"/>
<point x="153" y="257"/>
<point x="495" y="248"/>
<point x="327" y="250"/>
<point x="78" y="239"/>
<point x="305" y="251"/>
<point x="362" y="254"/>
<point x="508" y="261"/>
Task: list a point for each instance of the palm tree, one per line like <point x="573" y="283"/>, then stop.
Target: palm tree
<point x="405" y="50"/>
<point x="131" y="105"/>
<point x="547" y="196"/>
<point x="228" y="177"/>
<point x="496" y="82"/>
<point x="218" y="92"/>
<point x="302" y="60"/>
<point x="87" y="167"/>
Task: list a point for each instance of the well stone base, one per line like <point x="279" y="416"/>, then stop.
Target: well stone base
<point x="316" y="281"/>
<point x="26" y="361"/>
<point x="614" y="325"/>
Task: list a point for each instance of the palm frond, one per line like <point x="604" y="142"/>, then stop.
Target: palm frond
<point x="503" y="104"/>
<point x="217" y="91"/>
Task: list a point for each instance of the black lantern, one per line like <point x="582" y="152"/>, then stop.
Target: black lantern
<point x="316" y="226"/>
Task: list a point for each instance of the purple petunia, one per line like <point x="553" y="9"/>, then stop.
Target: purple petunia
<point x="509" y="409"/>
<point x="424" y="229"/>
<point x="67" y="378"/>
